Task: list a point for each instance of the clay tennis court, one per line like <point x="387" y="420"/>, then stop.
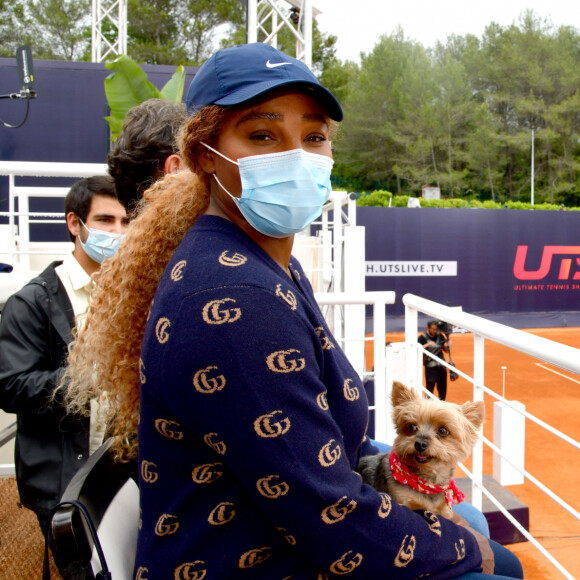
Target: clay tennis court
<point x="553" y="396"/>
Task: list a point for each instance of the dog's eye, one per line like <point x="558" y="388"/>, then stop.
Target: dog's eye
<point x="443" y="431"/>
<point x="411" y="428"/>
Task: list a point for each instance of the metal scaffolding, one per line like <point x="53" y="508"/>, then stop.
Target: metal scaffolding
<point x="109" y="29"/>
<point x="269" y="18"/>
<point x="264" y="17"/>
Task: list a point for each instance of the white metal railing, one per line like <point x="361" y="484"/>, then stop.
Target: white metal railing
<point x="18" y="245"/>
<point x="563" y="356"/>
<point x="330" y="242"/>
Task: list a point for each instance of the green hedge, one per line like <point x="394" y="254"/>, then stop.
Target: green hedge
<point x="381" y="198"/>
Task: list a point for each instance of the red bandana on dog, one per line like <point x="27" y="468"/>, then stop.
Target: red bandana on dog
<point x="404" y="475"/>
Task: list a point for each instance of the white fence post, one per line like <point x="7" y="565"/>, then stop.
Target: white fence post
<point x="478" y="382"/>
<point x="354" y="283"/>
<point x="411" y="323"/>
<point x="509" y="435"/>
<point x="382" y="390"/>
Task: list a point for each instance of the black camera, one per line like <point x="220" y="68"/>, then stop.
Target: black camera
<point x="444" y="327"/>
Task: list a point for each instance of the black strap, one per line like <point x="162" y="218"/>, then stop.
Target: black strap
<point x="104" y="574"/>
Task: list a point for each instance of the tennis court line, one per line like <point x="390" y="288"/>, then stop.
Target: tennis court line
<point x="557" y="373"/>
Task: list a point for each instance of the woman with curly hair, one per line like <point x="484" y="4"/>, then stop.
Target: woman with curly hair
<point x="207" y="338"/>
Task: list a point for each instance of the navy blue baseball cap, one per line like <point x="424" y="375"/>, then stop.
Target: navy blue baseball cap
<point x="235" y="75"/>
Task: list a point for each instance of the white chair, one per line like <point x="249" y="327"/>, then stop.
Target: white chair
<point x="108" y="494"/>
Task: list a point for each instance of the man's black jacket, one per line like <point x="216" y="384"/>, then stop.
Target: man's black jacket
<point x="35" y="329"/>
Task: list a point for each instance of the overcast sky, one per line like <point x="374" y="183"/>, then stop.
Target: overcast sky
<point x="358" y="23"/>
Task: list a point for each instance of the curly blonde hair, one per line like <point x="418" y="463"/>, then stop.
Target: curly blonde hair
<point x="104" y="358"/>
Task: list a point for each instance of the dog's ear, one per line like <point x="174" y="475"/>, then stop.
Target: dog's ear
<point x="401" y="394"/>
<point x="475" y="412"/>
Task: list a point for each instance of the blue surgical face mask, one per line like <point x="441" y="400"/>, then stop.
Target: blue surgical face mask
<point x="282" y="193"/>
<point x="100" y="245"/>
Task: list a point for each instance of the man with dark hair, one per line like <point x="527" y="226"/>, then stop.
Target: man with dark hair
<point x="146" y="148"/>
<point x="35" y="331"/>
<point x="436" y="342"/>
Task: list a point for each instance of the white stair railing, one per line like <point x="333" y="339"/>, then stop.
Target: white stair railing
<point x="560" y="355"/>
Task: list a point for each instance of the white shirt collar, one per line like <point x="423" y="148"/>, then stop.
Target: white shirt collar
<point x="76" y="273"/>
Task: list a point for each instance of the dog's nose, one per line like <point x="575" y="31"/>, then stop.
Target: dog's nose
<point x="420" y="446"/>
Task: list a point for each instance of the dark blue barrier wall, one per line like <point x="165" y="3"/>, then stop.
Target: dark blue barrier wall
<point x="514" y="266"/>
<point x="65" y="123"/>
<point x="66" y="120"/>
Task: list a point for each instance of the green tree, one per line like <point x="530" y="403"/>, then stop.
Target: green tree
<point x="522" y="73"/>
<point x="484" y="154"/>
<point x="12" y="32"/>
<point x="152" y="32"/>
<point x="178" y="31"/>
<point x="379" y="145"/>
<point x="159" y="31"/>
<point x="54" y="29"/>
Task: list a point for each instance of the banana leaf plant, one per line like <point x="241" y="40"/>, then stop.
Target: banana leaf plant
<point x="129" y="86"/>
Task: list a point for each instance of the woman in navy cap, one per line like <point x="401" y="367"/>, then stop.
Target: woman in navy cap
<point x="251" y="420"/>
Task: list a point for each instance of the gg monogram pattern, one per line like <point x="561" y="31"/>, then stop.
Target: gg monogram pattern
<point x="251" y="424"/>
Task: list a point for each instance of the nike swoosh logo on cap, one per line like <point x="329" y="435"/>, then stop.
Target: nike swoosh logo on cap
<point x="276" y="64"/>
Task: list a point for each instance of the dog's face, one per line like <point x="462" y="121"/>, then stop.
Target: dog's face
<point x="433" y="436"/>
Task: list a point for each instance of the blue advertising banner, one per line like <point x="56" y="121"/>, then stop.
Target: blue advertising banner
<point x="520" y="264"/>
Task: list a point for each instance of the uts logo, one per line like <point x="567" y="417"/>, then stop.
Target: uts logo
<point x="350" y="393"/>
<point x="236" y="260"/>
<point x="324" y="340"/>
<point x="207" y="473"/>
<point x="338" y="511"/>
<point x="166" y="525"/>
<point x="549" y="254"/>
<point x="139" y="575"/>
<point x="177" y="271"/>
<point x="162" y="330"/>
<point x="269" y="426"/>
<point x="191" y="571"/>
<point x="205" y="383"/>
<point x="322" y="401"/>
<point x="169" y="429"/>
<point x="406" y="552"/>
<point x="329" y="454"/>
<point x="222" y="514"/>
<point x="142" y="377"/>
<point x="272" y="490"/>
<point x="289" y="297"/>
<point x="386" y="506"/>
<point x="213" y="313"/>
<point x="148" y="473"/>
<point x="254" y="557"/>
<point x="285" y="361"/>
<point x="346" y="563"/>
<point x="218" y="446"/>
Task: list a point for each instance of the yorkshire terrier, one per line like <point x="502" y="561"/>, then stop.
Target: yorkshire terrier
<point x="432" y="438"/>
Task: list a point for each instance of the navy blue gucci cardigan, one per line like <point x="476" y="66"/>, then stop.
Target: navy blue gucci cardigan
<point x="252" y="423"/>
